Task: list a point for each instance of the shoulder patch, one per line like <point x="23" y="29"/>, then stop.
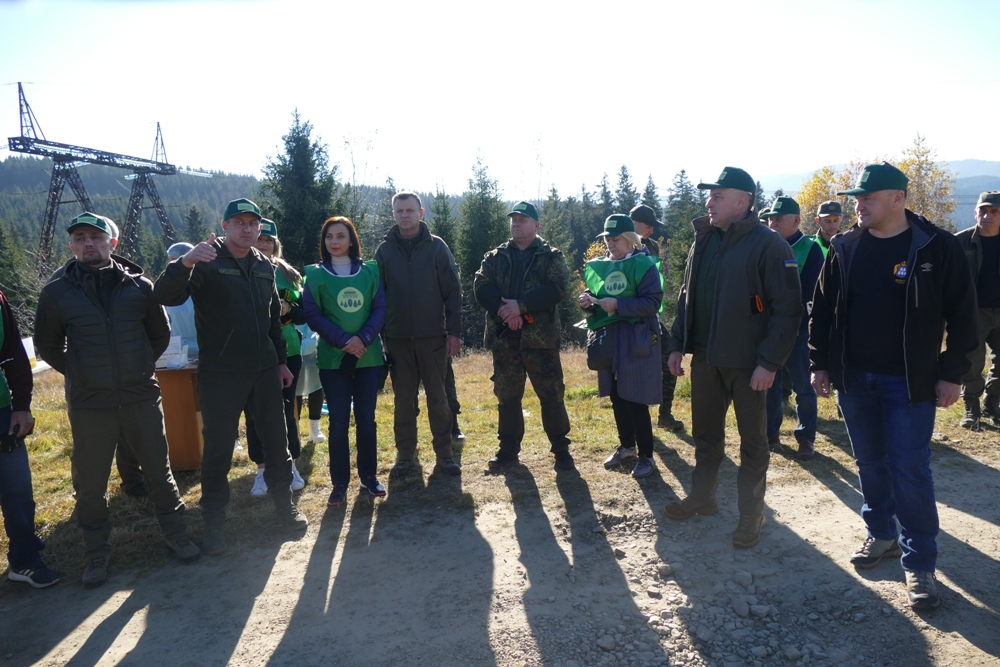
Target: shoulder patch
<point x="230" y="272"/>
<point x="791" y="264"/>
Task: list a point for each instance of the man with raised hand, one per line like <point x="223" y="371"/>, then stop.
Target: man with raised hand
<point x="828" y="219"/>
<point x="891" y="288"/>
<point x="738" y="312"/>
<point x="423" y="327"/>
<point x="783" y="217"/>
<point x="981" y="244"/>
<point x="241" y="361"/>
<point x="98" y="324"/>
<point x="520" y="284"/>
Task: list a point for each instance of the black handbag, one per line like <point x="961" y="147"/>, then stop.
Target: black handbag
<point x="601" y="348"/>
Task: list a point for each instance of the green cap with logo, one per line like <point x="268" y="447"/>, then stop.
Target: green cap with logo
<point x="616" y="224"/>
<point x="91" y="220"/>
<point x="732" y="177"/>
<point x="878" y="177"/>
<point x="991" y="198"/>
<point x="268" y="228"/>
<point x="783" y="205"/>
<point x="524" y="208"/>
<point x="828" y="208"/>
<point x="238" y="206"/>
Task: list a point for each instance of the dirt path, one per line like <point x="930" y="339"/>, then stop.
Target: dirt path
<point x="549" y="578"/>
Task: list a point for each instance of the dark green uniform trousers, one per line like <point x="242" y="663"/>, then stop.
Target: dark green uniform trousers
<point x="415" y="360"/>
<point x="96" y="433"/>
<point x="222" y="397"/>
<point x="712" y="390"/>
<point x="511" y="365"/>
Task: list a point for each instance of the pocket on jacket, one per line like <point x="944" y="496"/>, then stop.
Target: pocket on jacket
<point x="641" y="340"/>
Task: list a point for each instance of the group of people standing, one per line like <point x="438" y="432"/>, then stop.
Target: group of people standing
<point x="864" y="312"/>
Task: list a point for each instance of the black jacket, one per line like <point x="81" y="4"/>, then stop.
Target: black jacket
<point x="973" y="248"/>
<point x="237" y="313"/>
<point x="108" y="356"/>
<point x="940" y="296"/>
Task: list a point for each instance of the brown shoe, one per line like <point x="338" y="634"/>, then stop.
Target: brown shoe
<point x="748" y="530"/>
<point x="806" y="451"/>
<point x="688" y="507"/>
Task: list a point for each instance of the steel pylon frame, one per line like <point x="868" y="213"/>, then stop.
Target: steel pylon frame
<point x="63" y="172"/>
<point x="128" y="243"/>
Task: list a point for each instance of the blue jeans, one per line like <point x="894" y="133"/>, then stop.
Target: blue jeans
<point x="341" y="387"/>
<point x="892" y="446"/>
<point x="805" y="395"/>
<point x="18" y="504"/>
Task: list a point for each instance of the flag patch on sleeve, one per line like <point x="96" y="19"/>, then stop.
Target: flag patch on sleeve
<point x="791" y="264"/>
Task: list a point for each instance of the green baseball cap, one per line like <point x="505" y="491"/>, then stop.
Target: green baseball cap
<point x="991" y="198"/>
<point x="732" y="177"/>
<point x="877" y="177"/>
<point x="524" y="208"/>
<point x="829" y="208"/>
<point x="268" y="228"/>
<point x="783" y="205"/>
<point x="238" y="206"/>
<point x="91" y="220"/>
<point x="646" y="215"/>
<point x="617" y="224"/>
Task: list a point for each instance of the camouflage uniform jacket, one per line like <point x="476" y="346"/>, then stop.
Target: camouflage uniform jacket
<point x="542" y="289"/>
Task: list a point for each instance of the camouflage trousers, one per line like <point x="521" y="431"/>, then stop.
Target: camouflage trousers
<point x="511" y="365"/>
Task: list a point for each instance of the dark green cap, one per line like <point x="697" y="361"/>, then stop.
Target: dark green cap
<point x="646" y="215"/>
<point x="829" y="208"/>
<point x="616" y="224"/>
<point x="268" y="228"/>
<point x="783" y="205"/>
<point x="238" y="206"/>
<point x="732" y="177"/>
<point x="877" y="177"/>
<point x="991" y="198"/>
<point x="524" y="208"/>
<point x="91" y="220"/>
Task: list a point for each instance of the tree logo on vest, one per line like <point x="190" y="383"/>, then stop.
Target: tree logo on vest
<point x="615" y="283"/>
<point x="350" y="300"/>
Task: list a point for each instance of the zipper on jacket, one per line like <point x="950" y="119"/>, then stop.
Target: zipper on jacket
<point x="906" y="313"/>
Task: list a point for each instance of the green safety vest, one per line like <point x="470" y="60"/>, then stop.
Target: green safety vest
<point x="823" y="245"/>
<point x="347" y="302"/>
<point x="618" y="278"/>
<point x="4" y="391"/>
<point x="801" y="249"/>
<point x="293" y="340"/>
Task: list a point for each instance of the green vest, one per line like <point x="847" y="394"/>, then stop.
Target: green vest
<point x="347" y="302"/>
<point x="617" y="278"/>
<point x="292" y="338"/>
<point x="801" y="249"/>
<point x="823" y="245"/>
<point x="4" y="391"/>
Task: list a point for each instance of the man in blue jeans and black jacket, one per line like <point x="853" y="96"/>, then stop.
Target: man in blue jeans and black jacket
<point x="890" y="289"/>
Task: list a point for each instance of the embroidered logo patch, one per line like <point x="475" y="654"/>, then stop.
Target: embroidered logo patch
<point x="926" y="266"/>
<point x="899" y="271"/>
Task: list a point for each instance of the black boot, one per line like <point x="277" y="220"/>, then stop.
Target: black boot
<point x="991" y="408"/>
<point x="972" y="413"/>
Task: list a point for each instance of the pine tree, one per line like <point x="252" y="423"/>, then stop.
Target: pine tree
<point x="443" y="222"/>
<point x="626" y="196"/>
<point x="606" y="200"/>
<point x="760" y="201"/>
<point x="195" y="230"/>
<point x="651" y="198"/>
<point x="684" y="204"/>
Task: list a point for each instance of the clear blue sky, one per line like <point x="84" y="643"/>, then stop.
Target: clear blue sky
<point x="545" y="92"/>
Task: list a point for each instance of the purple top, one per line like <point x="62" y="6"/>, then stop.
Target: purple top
<point x="328" y="330"/>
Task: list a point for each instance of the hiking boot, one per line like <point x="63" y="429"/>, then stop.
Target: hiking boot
<point x="748" y="530"/>
<point x="991" y="408"/>
<point x="213" y="540"/>
<point x="373" y="486"/>
<point x="290" y="517"/>
<point x="873" y="550"/>
<point x="502" y="460"/>
<point x="972" y="414"/>
<point x="807" y="450"/>
<point x="401" y="469"/>
<point x="315" y="434"/>
<point x="186" y="550"/>
<point x="297" y="482"/>
<point x="338" y="496"/>
<point x="669" y="422"/>
<point x="448" y="467"/>
<point x="96" y="572"/>
<point x="644" y="467"/>
<point x="259" y="489"/>
<point x="564" y="462"/>
<point x="690" y="506"/>
<point x="921" y="590"/>
<point x="621" y="454"/>
<point x="456" y="432"/>
<point x="36" y="577"/>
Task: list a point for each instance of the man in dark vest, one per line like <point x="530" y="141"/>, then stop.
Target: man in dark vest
<point x="783" y="217"/>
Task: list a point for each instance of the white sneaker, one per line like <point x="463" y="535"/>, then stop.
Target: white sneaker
<point x="315" y="434"/>
<point x="297" y="482"/>
<point x="259" y="489"/>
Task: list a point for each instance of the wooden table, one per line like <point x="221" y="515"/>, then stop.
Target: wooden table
<point x="182" y="416"/>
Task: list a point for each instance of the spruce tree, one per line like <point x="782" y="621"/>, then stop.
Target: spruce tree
<point x="626" y="196"/>
<point x="195" y="230"/>
<point x="443" y="222"/>
<point x="651" y="198"/>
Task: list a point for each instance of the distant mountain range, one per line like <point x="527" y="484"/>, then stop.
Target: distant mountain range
<point x="971" y="178"/>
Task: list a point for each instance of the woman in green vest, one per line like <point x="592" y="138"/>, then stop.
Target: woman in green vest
<point x="624" y="295"/>
<point x="344" y="303"/>
<point x="289" y="283"/>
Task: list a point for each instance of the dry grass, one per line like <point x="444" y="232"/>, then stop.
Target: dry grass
<point x="136" y="539"/>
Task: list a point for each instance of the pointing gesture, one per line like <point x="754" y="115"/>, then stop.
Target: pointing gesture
<point x="203" y="252"/>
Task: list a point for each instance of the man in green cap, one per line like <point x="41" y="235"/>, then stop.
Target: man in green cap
<point x="828" y="219"/>
<point x="98" y="324"/>
<point x="890" y="289"/>
<point x="981" y="244"/>
<point x="738" y="312"/>
<point x="784" y="218"/>
<point x="242" y="358"/>
<point x="520" y="284"/>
